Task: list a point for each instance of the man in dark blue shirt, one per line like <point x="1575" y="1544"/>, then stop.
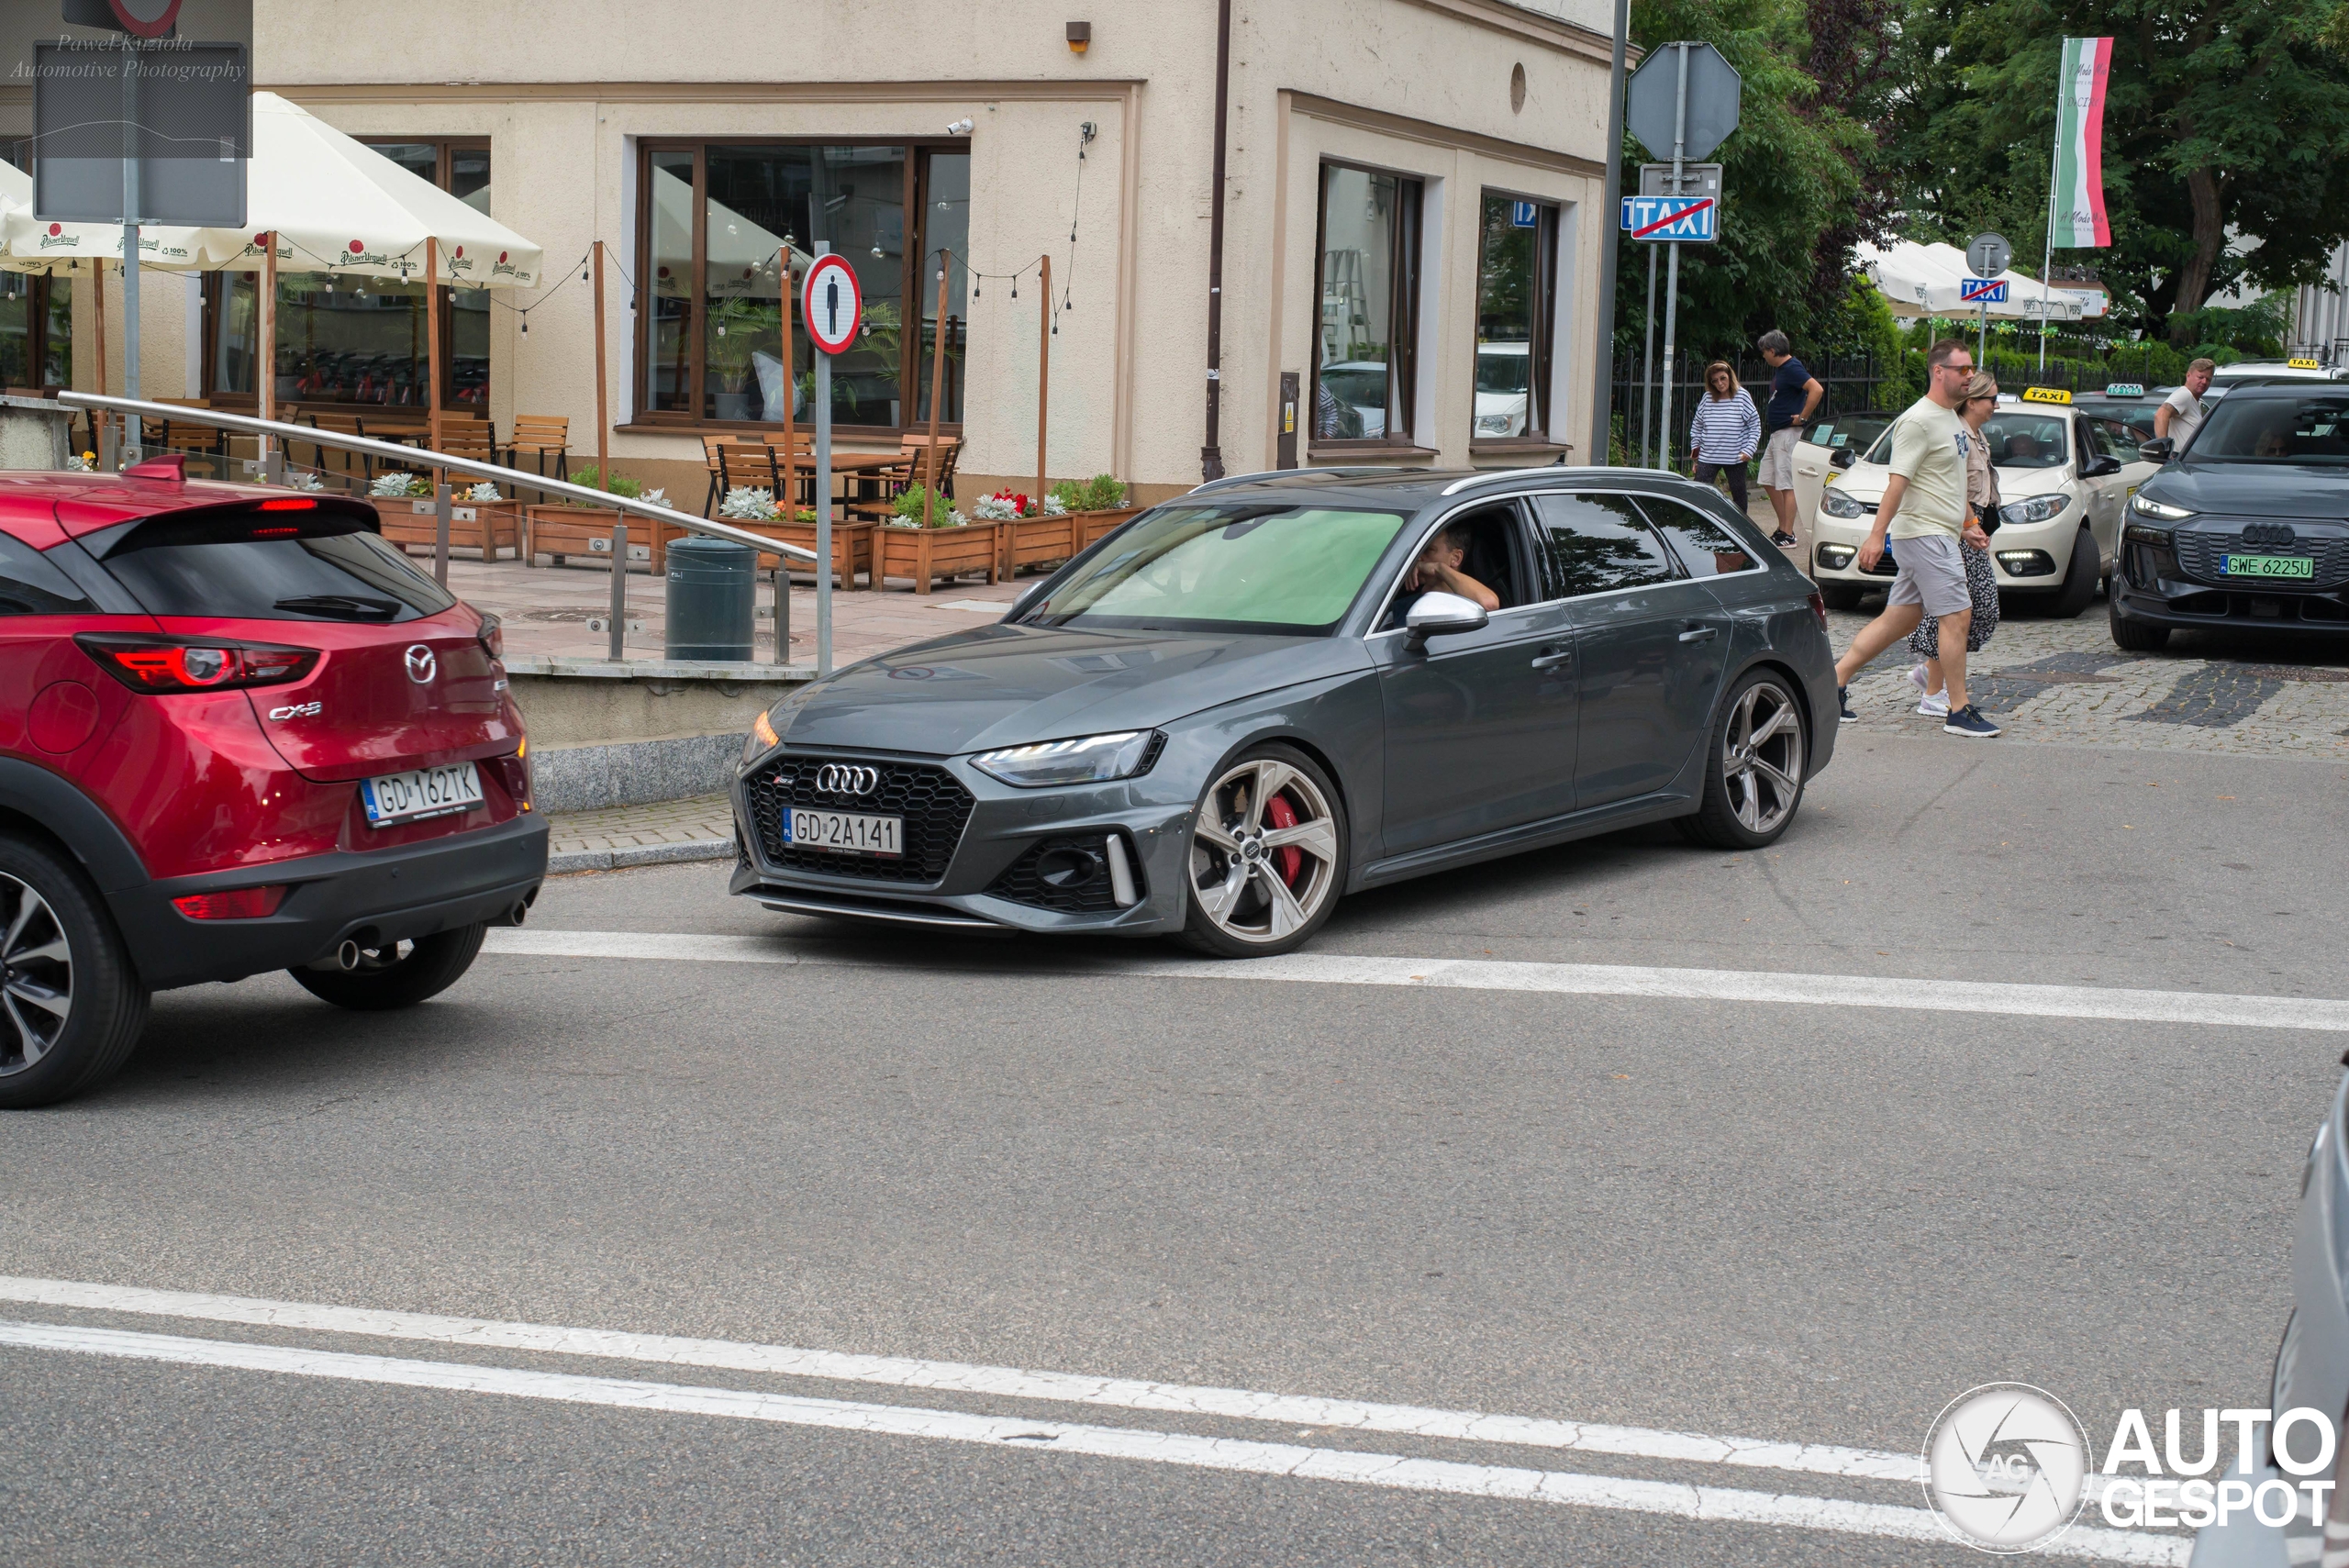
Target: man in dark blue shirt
<point x="1794" y="397"/>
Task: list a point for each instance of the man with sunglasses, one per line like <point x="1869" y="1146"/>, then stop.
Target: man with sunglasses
<point x="1924" y="509"/>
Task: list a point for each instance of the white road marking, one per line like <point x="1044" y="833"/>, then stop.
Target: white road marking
<point x="1570" y="979"/>
<point x="1016" y="1383"/>
<point x="1669" y="1498"/>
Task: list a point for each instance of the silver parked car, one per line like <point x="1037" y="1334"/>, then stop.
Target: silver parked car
<point x="1249" y="700"/>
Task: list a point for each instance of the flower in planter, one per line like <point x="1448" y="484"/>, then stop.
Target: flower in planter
<point x="304" y="479"/>
<point x="747" y="502"/>
<point x="1008" y="504"/>
<point x="392" y="486"/>
<point x="81" y="463"/>
<point x="1102" y="492"/>
<point x="658" y="498"/>
<point x="942" y="513"/>
<point x="484" y="494"/>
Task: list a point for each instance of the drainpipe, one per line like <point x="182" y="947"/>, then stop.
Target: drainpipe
<point x="1610" y="216"/>
<point x="1211" y="454"/>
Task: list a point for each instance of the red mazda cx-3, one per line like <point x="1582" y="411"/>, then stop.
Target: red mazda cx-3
<point x="237" y="732"/>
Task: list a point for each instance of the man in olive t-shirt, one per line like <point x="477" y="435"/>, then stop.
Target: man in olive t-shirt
<point x="1924" y="511"/>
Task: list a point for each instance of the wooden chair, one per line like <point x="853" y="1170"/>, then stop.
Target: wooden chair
<point x="341" y="424"/>
<point x="800" y="458"/>
<point x="205" y="446"/>
<point x="742" y="460"/>
<point x="712" y="459"/>
<point x="897" y="480"/>
<point x="539" y="437"/>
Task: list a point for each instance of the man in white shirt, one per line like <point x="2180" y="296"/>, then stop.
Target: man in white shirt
<point x="2182" y="412"/>
<point x="1924" y="514"/>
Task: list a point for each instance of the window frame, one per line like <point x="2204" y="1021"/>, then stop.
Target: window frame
<point x="911" y="363"/>
<point x="1541" y="351"/>
<point x="216" y="285"/>
<point x="1403" y="321"/>
<point x="1676" y="570"/>
<point x="37" y="303"/>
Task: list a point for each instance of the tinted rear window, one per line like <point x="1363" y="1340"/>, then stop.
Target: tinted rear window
<point x="271" y="566"/>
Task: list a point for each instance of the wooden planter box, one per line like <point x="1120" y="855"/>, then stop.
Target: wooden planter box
<point x="1093" y="526"/>
<point x="488" y="526"/>
<point x="926" y="554"/>
<point x="852" y="546"/>
<point x="1038" y="541"/>
<point x="566" y="531"/>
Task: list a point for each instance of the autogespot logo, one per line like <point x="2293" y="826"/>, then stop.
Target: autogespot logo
<point x="2005" y="1467"/>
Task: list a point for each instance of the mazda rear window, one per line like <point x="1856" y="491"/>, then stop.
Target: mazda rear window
<point x="1239" y="567"/>
<point x="270" y="565"/>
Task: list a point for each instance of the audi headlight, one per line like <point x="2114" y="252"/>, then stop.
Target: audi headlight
<point x="1089" y="758"/>
<point x="2145" y="505"/>
<point x="1835" y="503"/>
<point x="2038" y="509"/>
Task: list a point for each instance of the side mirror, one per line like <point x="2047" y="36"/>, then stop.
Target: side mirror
<point x="1443" y="614"/>
<point x="1843" y="457"/>
<point x="2159" y="450"/>
<point x="2099" y="466"/>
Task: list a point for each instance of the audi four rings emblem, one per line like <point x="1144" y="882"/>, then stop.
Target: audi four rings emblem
<point x="421" y="663"/>
<point x="845" y="778"/>
<point x="2270" y="534"/>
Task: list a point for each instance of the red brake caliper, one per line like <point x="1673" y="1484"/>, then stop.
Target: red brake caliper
<point x="1280" y="814"/>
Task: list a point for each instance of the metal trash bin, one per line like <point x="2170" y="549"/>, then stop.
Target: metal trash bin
<point x="713" y="599"/>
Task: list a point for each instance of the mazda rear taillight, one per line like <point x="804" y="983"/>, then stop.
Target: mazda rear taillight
<point x="235" y="904"/>
<point x="190" y="664"/>
<point x="514" y="772"/>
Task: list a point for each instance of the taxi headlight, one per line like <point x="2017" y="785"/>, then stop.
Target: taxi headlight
<point x="1835" y="503"/>
<point x="1087" y="759"/>
<point x="2145" y="505"/>
<point x="2037" y="509"/>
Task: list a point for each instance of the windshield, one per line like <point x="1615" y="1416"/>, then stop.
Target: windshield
<point x="1284" y="569"/>
<point x="2016" y="441"/>
<point x="1846" y="429"/>
<point x="2276" y="429"/>
<point x="1502" y="369"/>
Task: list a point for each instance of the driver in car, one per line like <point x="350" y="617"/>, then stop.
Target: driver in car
<point x="2022" y="451"/>
<point x="1437" y="570"/>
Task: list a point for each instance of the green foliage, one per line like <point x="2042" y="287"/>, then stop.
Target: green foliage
<point x="909" y="506"/>
<point x="2222" y="117"/>
<point x="1102" y="492"/>
<point x="621" y="483"/>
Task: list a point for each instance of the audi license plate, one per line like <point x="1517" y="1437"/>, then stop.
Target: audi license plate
<point x="425" y="792"/>
<point x="845" y="831"/>
<point x="2270" y="566"/>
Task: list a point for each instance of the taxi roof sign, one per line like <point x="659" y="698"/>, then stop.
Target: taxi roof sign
<point x="2045" y="394"/>
<point x="2124" y="389"/>
<point x="2302" y="365"/>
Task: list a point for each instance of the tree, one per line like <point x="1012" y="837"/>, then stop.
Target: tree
<point x="2225" y="132"/>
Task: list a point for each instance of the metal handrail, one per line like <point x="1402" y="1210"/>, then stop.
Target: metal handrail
<point x="425" y="457"/>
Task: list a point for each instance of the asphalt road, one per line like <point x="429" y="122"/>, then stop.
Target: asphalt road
<point x="1806" y="1223"/>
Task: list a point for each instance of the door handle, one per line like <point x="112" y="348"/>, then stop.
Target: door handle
<point x="1699" y="634"/>
<point x="1551" y="659"/>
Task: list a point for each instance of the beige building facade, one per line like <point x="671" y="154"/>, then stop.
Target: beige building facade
<point x="1411" y="224"/>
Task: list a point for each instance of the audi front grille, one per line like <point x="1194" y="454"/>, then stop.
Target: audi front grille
<point x="932" y="802"/>
<point x="2202" y="555"/>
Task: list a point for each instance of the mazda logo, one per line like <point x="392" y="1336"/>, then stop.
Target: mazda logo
<point x="422" y="665"/>
<point x="847" y="778"/>
<point x="2269" y="533"/>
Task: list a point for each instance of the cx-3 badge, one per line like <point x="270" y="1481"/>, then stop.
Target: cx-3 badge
<point x="842" y="778"/>
<point x="422" y="665"/>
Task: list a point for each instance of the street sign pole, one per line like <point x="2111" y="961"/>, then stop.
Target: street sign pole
<point x="1672" y="270"/>
<point x="1647" y="366"/>
<point x="131" y="234"/>
<point x="824" y="500"/>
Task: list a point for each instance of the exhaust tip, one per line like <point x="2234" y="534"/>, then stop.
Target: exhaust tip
<point x="346" y="957"/>
<point x="520" y="912"/>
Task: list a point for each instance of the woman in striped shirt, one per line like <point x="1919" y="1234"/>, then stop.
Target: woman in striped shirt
<point x="1725" y="431"/>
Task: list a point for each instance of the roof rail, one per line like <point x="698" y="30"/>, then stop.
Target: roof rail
<point x="1457" y="485"/>
<point x="1356" y="471"/>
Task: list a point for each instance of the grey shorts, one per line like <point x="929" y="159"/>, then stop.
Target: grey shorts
<point x="1932" y="573"/>
<point x="1778" y="458"/>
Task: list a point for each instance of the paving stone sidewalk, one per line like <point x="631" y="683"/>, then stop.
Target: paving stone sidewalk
<point x="701" y="828"/>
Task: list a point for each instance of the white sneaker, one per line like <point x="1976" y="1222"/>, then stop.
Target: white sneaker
<point x="1917" y="678"/>
<point x="1936" y="705"/>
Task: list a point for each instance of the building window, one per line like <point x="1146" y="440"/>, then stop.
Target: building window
<point x="36" y="320"/>
<point x="714" y="218"/>
<point x="1369" y="287"/>
<point x="366" y="340"/>
<point x="1517" y="273"/>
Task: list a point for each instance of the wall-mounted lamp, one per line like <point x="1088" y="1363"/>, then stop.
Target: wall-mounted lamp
<point x="1080" y="34"/>
<point x="960" y="127"/>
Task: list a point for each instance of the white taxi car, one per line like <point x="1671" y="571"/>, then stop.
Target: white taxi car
<point x="2063" y="478"/>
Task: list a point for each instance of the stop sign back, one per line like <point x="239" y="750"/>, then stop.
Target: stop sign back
<point x="830" y="303"/>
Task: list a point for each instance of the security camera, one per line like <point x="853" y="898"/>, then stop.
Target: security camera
<point x="960" y="127"/>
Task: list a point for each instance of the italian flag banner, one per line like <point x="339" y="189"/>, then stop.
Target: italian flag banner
<point x="2076" y="206"/>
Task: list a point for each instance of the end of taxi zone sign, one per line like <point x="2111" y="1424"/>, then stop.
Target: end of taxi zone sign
<point x="1686" y="220"/>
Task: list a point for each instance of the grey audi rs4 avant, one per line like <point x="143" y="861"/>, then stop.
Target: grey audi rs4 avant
<point x="1285" y="688"/>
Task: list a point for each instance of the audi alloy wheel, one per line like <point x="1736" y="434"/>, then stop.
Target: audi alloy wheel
<point x="1753" y="776"/>
<point x="1268" y="854"/>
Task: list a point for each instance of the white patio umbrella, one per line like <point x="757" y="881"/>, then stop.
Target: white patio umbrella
<point x="1929" y="280"/>
<point x="334" y="206"/>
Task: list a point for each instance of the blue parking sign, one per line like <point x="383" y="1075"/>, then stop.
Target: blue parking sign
<point x="1524" y="215"/>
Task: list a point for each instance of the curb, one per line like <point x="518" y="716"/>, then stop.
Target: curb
<point x="642" y="855"/>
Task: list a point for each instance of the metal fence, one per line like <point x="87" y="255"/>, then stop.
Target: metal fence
<point x="1853" y="383"/>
